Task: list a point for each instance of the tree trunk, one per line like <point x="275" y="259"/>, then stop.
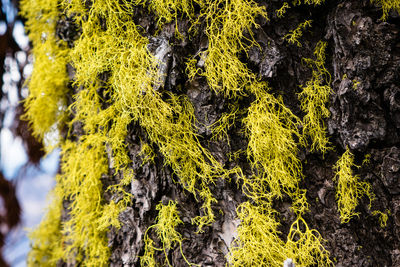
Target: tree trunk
<point x="362" y="57"/>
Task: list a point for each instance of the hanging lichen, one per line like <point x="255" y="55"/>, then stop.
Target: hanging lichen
<point x="166" y="222"/>
<point x="46" y="102"/>
<point x="349" y="189"/>
<point x="314" y="98"/>
<point x="294" y="35"/>
<point x="258" y="242"/>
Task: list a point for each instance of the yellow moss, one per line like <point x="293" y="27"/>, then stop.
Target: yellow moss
<point x="349" y="188"/>
<point x="166" y="222"/>
<point x="294" y="35"/>
<point x="314" y="97"/>
<point x="47" y="85"/>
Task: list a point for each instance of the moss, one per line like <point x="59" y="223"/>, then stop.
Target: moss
<point x="349" y="188"/>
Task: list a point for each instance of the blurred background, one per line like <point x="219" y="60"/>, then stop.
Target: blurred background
<point x="26" y="173"/>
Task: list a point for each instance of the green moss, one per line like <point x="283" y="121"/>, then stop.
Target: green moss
<point x="349" y="188"/>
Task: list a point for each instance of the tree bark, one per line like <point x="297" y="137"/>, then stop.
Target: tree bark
<point x="363" y="58"/>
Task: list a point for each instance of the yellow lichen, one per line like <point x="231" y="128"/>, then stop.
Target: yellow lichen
<point x="147" y="153"/>
<point x="314" y="97"/>
<point x="258" y="242"/>
<point x="47" y="240"/>
<point x="382" y="216"/>
<point x="46" y="102"/>
<point x="294" y="35"/>
<point x="349" y="188"/>
<point x="272" y="128"/>
<point x="387" y="5"/>
<point x="118" y="81"/>
<point x="223" y="124"/>
<point x="226" y="28"/>
<point x="166" y="222"/>
<point x="281" y="11"/>
<point x="167" y="11"/>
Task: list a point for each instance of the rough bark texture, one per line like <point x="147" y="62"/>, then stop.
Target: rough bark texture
<point x="365" y="117"/>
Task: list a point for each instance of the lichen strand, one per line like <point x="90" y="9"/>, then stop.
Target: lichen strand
<point x="314" y="98"/>
<point x="226" y="30"/>
<point x="349" y="187"/>
<point x="168" y="10"/>
<point x="45" y="104"/>
<point x="272" y="128"/>
<point x="258" y="243"/>
<point x="47" y="239"/>
<point x="387" y="6"/>
<point x="294" y="35"/>
<point x="165" y="228"/>
<point x="83" y="164"/>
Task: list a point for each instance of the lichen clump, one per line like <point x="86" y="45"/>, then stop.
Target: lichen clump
<point x="349" y="187"/>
